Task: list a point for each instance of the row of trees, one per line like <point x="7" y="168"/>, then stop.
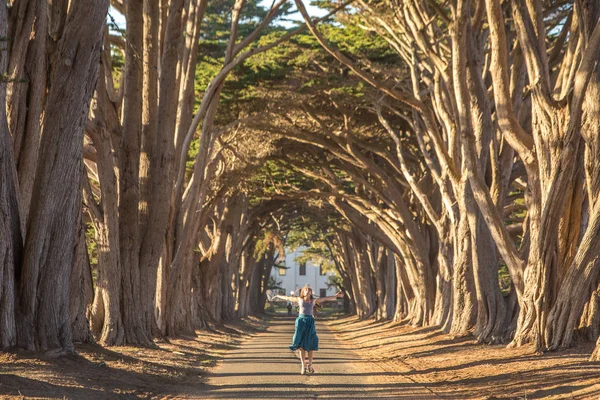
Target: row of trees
<point x="424" y="147"/>
<point x="485" y="168"/>
<point x="121" y="215"/>
<point x="493" y="129"/>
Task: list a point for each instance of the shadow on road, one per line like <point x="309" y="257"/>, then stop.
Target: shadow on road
<point x="264" y="367"/>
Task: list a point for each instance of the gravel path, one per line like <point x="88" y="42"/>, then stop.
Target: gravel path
<point x="263" y="367"/>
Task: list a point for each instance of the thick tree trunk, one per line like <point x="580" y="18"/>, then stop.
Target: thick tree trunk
<point x="162" y="158"/>
<point x="389" y="299"/>
<point x="34" y="93"/>
<point x="227" y="294"/>
<point x="589" y="324"/>
<point x="106" y="313"/>
<point x="592" y="329"/>
<point x="247" y="266"/>
<point x="179" y="320"/>
<point x="56" y="199"/>
<point x="581" y="273"/>
<point x="491" y="311"/>
<point x="82" y="290"/>
<point x="266" y="273"/>
<point x="214" y="298"/>
<point x="228" y="277"/>
<point x="254" y="288"/>
<point x="491" y="321"/>
<point x="464" y="307"/>
<point x="11" y="242"/>
<point x="243" y="298"/>
<point x="542" y="267"/>
<point x="106" y="320"/>
<point x="236" y="229"/>
<point x="353" y="273"/>
<point x="200" y="316"/>
<point x="404" y="293"/>
<point x="149" y="112"/>
<point x="137" y="314"/>
<point x="443" y="303"/>
<point x="160" y="301"/>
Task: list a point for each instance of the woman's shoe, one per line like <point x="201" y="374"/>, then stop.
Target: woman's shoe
<point x="310" y="369"/>
<point x="303" y="370"/>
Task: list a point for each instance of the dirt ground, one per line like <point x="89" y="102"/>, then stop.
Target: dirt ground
<point x="459" y="368"/>
<point x="122" y="372"/>
<point x="455" y="368"/>
<point x="263" y="367"/>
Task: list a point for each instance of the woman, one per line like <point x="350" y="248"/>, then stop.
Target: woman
<point x="305" y="336"/>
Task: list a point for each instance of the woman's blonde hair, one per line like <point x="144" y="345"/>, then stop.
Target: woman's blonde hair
<point x="304" y="293"/>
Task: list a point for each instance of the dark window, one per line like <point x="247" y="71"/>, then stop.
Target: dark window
<point x="321" y="272"/>
<point x="322" y="292"/>
<point x="303" y="269"/>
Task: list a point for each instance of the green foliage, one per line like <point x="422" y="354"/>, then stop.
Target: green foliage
<point x="313" y="234"/>
<point x="270" y="240"/>
<point x="260" y="73"/>
<point x="355" y="41"/>
<point x="317" y="254"/>
<point x="118" y="65"/>
<point x="504" y="279"/>
<point x="274" y="178"/>
<point x="92" y="249"/>
<point x="335" y="281"/>
<point x="192" y="153"/>
<point x="357" y="90"/>
<point x="297" y="65"/>
<point x="92" y="246"/>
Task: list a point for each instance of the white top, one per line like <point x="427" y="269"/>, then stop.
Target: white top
<point x="306" y="307"/>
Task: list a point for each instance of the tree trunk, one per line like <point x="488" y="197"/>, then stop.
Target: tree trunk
<point x="378" y="271"/>
<point x="82" y="290"/>
<point x="162" y="158"/>
<point x="581" y="275"/>
<point x="178" y="314"/>
<point x="464" y="307"/>
<point x="106" y="313"/>
<point x="589" y="324"/>
<point x="137" y="310"/>
<point x="404" y="293"/>
<point x="35" y="94"/>
<point x="246" y="271"/>
<point x="491" y="321"/>
<point x="160" y="301"/>
<point x="389" y="299"/>
<point x="443" y="303"/>
<point x="255" y="288"/>
<point x="56" y="199"/>
<point x="11" y="242"/>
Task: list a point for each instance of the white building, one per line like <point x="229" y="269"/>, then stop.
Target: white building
<point x="295" y="276"/>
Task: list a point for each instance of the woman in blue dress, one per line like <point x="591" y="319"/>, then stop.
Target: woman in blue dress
<point x="305" y="336"/>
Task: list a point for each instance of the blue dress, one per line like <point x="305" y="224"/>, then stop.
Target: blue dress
<point x="305" y="335"/>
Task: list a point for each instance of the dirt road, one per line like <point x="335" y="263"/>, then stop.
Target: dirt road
<point x="263" y="367"/>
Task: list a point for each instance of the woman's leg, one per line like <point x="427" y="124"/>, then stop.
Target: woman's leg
<point x="309" y="367"/>
<point x="302" y="354"/>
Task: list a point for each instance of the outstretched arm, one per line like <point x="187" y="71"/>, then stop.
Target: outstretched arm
<point x="288" y="298"/>
<point x="338" y="295"/>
